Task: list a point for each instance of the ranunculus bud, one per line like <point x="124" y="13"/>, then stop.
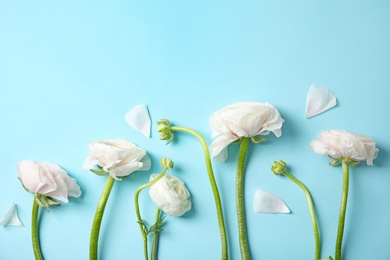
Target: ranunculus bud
<point x="166" y="163"/>
<point x="170" y="195"/>
<point x="278" y="167"/>
<point x="117" y="157"/>
<point x="47" y="179"/>
<point x="164" y="129"/>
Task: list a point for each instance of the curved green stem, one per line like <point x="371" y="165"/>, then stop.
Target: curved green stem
<point x="343" y="207"/>
<point x="214" y="187"/>
<point x="240" y="173"/>
<point x="94" y="239"/>
<point x="317" y="254"/>
<point x="153" y="254"/>
<point x="35" y="232"/>
<point x="137" y="211"/>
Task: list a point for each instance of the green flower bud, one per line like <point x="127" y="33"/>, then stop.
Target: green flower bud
<point x="278" y="167"/>
<point x="164" y="129"/>
<point x="166" y="163"/>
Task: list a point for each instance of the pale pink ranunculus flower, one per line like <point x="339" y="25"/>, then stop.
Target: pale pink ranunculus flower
<point x="170" y="195"/>
<point x="242" y="119"/>
<point x="117" y="157"/>
<point x="47" y="179"/>
<point x="339" y="144"/>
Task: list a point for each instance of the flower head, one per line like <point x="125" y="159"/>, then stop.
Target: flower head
<point x="43" y="178"/>
<point x="242" y="119"/>
<point x="164" y="129"/>
<point x="170" y="195"/>
<point x="117" y="157"/>
<point x="279" y="167"/>
<point x="339" y="144"/>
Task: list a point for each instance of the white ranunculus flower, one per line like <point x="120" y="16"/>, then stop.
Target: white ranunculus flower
<point x="242" y="119"/>
<point x="47" y="179"/>
<point x="117" y="157"/>
<point x="339" y="144"/>
<point x="170" y="195"/>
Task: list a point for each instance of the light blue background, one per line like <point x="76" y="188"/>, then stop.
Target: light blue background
<point x="70" y="70"/>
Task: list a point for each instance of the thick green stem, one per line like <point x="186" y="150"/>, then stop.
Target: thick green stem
<point x="94" y="239"/>
<point x="35" y="232"/>
<point x="138" y="213"/>
<point x="343" y="207"/>
<point x="153" y="254"/>
<point x="214" y="187"/>
<point x="317" y="253"/>
<point x="240" y="173"/>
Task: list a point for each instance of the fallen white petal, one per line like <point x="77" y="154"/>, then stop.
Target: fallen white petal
<point x="265" y="202"/>
<point x="138" y="118"/>
<point x="10" y="218"/>
<point x="318" y="100"/>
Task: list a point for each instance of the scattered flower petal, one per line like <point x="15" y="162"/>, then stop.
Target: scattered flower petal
<point x="265" y="202"/>
<point x="138" y="118"/>
<point x="10" y="218"/>
<point x="318" y="100"/>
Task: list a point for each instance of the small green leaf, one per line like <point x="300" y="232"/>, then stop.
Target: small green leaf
<point x="335" y="162"/>
<point x="256" y="139"/>
<point x="99" y="172"/>
<point x="353" y="163"/>
<point x="52" y="202"/>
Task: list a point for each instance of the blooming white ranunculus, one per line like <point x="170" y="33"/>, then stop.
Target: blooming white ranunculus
<point x="339" y="144"/>
<point x="47" y="179"/>
<point x="170" y="195"/>
<point x="242" y="119"/>
<point x="117" y="157"/>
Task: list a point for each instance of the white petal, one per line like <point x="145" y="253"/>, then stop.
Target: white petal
<point x="318" y="100"/>
<point x="265" y="202"/>
<point x="138" y="118"/>
<point x="10" y="218"/>
<point x="219" y="146"/>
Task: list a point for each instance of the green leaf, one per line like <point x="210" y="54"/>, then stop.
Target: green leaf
<point x="353" y="163"/>
<point x="99" y="172"/>
<point x="256" y="139"/>
<point x="154" y="228"/>
<point x="335" y="162"/>
<point x="52" y="202"/>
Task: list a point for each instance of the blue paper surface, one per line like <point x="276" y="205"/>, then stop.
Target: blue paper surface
<point x="70" y="70"/>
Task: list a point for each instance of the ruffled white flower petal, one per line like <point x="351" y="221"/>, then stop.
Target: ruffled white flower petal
<point x="219" y="151"/>
<point x="242" y="119"/>
<point x="265" y="202"/>
<point x="343" y="144"/>
<point x="47" y="179"/>
<point x="170" y="195"/>
<point x="11" y="218"/>
<point x="318" y="100"/>
<point x="138" y="118"/>
<point x="118" y="157"/>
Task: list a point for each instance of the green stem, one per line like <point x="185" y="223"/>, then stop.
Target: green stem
<point x="214" y="187"/>
<point x="35" y="232"/>
<point x="343" y="207"/>
<point x="94" y="239"/>
<point x="240" y="173"/>
<point x="138" y="213"/>
<point x="155" y="238"/>
<point x="312" y="214"/>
